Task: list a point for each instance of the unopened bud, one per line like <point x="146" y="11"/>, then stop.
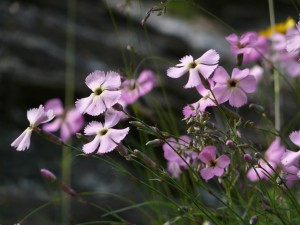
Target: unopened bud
<point x="230" y="113"/>
<point x="149" y="162"/>
<point x="247" y="157"/>
<point x="258" y="155"/>
<point x="136" y="124"/>
<point x="66" y="188"/>
<point x="257" y="108"/>
<point x="82" y="138"/>
<point x="118" y="107"/>
<point x="240" y="60"/>
<point x="123" y="151"/>
<point x="155" y="143"/>
<point x="205" y="82"/>
<point x="253" y="220"/>
<point x="230" y="144"/>
<point x="48" y="175"/>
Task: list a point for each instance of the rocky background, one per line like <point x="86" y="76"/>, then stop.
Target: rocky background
<point x="32" y="70"/>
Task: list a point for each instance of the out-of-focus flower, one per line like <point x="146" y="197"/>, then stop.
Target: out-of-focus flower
<point x="205" y="65"/>
<point x="293" y="41"/>
<point x="282" y="28"/>
<point x="106" y="138"/>
<point x="291" y="158"/>
<point x="257" y="72"/>
<point x="68" y="121"/>
<point x="214" y="166"/>
<point x="133" y="89"/>
<point x="105" y="94"/>
<point x="251" y="45"/>
<point x="36" y="117"/>
<point x="272" y="156"/>
<point x="175" y="162"/>
<point x="233" y="88"/>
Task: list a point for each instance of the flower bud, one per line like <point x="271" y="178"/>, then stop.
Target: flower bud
<point x="82" y="138"/>
<point x="136" y="124"/>
<point x="48" y="175"/>
<point x="155" y="143"/>
<point x="253" y="220"/>
<point x="247" y="157"/>
<point x="258" y="155"/>
<point x="149" y="162"/>
<point x="48" y="136"/>
<point x="257" y="108"/>
<point x="230" y="144"/>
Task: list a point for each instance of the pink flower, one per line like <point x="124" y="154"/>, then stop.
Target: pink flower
<point x="69" y="122"/>
<point x="233" y="88"/>
<point x="204" y="65"/>
<point x="251" y="45"/>
<point x="106" y="139"/>
<point x="105" y="94"/>
<point x="272" y="156"/>
<point x="291" y="158"/>
<point x="293" y="41"/>
<point x="201" y="104"/>
<point x="214" y="166"/>
<point x="35" y="117"/>
<point x="175" y="162"/>
<point x="133" y="89"/>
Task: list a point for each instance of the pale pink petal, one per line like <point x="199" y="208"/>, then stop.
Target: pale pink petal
<point x="223" y="161"/>
<point x="293" y="44"/>
<point x="95" y="79"/>
<point x="257" y="72"/>
<point x="117" y="135"/>
<point x="210" y="57"/>
<point x="290" y="158"/>
<point x="239" y="74"/>
<point x="221" y="76"/>
<point x="56" y="105"/>
<point x="106" y="145"/>
<point x="207" y="173"/>
<point x="91" y="146"/>
<point x="93" y="128"/>
<point x="218" y="171"/>
<point x="206" y="70"/>
<point x="83" y="103"/>
<point x="255" y="174"/>
<point x="111" y="120"/>
<point x="176" y="72"/>
<point x="38" y="116"/>
<point x="194" y="78"/>
<point x="53" y="126"/>
<point x="238" y="98"/>
<point x="112" y="81"/>
<point x="232" y="39"/>
<point x="275" y="151"/>
<point x="65" y="132"/>
<point x="295" y="138"/>
<point x="146" y="80"/>
<point x="208" y="154"/>
<point x="191" y="109"/>
<point x="96" y="107"/>
<point x="174" y="169"/>
<point x="23" y="141"/>
<point x="248" y="84"/>
<point x="186" y="60"/>
<point x="74" y="120"/>
<point x="110" y="97"/>
<point x="221" y="93"/>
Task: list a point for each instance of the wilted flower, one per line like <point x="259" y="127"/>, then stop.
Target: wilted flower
<point x="105" y="94"/>
<point x="214" y="166"/>
<point x="204" y="65"/>
<point x="68" y="121"/>
<point x="35" y="117"/>
<point x="106" y="139"/>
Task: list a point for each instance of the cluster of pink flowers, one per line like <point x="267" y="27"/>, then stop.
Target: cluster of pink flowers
<point x="179" y="157"/>
<point x="107" y="91"/>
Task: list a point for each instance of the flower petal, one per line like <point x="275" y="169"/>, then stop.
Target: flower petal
<point x="221" y="76"/>
<point x="238" y="98"/>
<point x="117" y="135"/>
<point x="295" y="138"/>
<point x="56" y="105"/>
<point x="208" y="154"/>
<point x="239" y="74"/>
<point x="53" y="126"/>
<point x="223" y="161"/>
<point x="93" y="128"/>
<point x="91" y="146"/>
<point x="95" y="79"/>
<point x="194" y="79"/>
<point x="23" y="141"/>
<point x="207" y="173"/>
<point x="176" y="72"/>
<point x="248" y="84"/>
<point x="110" y="97"/>
<point x="210" y="57"/>
<point x="83" y="103"/>
<point x="112" y="81"/>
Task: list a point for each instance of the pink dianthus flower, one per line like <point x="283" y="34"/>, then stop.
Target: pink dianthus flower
<point x="36" y="117"/>
<point x="233" y="88"/>
<point x="214" y="166"/>
<point x="205" y="65"/>
<point x="105" y="94"/>
<point x="106" y="138"/>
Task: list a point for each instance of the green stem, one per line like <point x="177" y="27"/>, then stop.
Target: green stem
<point x="69" y="101"/>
